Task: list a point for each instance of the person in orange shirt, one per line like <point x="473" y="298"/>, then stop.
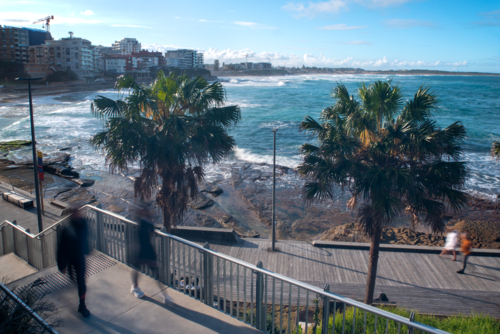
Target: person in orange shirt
<point x="465" y="248"/>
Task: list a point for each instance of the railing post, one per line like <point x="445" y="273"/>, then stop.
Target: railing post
<point x="259" y="299"/>
<point x="411" y="319"/>
<point x="3" y="239"/>
<point x="208" y="276"/>
<point x="326" y="312"/>
<point x="99" y="231"/>
<point x="41" y="240"/>
<point x="170" y="273"/>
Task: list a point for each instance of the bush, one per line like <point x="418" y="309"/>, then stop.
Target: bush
<point x="14" y="319"/>
<point x="11" y="70"/>
<point x="62" y="76"/>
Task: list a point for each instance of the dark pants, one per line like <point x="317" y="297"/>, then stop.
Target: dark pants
<point x="465" y="262"/>
<point x="76" y="269"/>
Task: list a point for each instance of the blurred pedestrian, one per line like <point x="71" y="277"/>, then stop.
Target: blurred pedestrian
<point x="71" y="250"/>
<point x="465" y="248"/>
<point x="450" y="246"/>
<point x="144" y="252"/>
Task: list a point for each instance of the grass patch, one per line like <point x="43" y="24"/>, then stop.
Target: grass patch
<point x="459" y="324"/>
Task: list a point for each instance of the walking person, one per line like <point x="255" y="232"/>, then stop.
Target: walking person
<point x="465" y="248"/>
<point x="144" y="253"/>
<point x="450" y="245"/>
<point x="71" y="250"/>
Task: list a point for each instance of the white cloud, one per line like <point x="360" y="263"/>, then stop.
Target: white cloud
<point x="357" y="43"/>
<point x="341" y="26"/>
<point x="130" y="26"/>
<point x="381" y="3"/>
<point x="88" y="12"/>
<point x="313" y="9"/>
<point x="408" y="23"/>
<point x="308" y="59"/>
<point x="335" y="6"/>
<point x="203" y="20"/>
<point x="253" y="25"/>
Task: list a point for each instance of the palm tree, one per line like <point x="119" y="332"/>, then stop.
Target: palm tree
<point x="172" y="128"/>
<point x="495" y="149"/>
<point x="390" y="155"/>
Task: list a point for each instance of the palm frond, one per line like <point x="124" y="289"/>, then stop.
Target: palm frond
<point x="103" y="107"/>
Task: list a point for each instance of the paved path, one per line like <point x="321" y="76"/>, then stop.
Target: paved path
<point x="12" y="268"/>
<point x="425" y="282"/>
<point x="115" y="310"/>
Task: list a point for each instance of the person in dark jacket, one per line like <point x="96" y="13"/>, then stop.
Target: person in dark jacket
<point x="71" y="250"/>
<point x="144" y="252"/>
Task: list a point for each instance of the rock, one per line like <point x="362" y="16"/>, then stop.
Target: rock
<point x="65" y="149"/>
<point x="382" y="298"/>
<point x="61" y="171"/>
<point x="253" y="234"/>
<point x="13" y="145"/>
<point x="84" y="182"/>
<point x="212" y="188"/>
<point x="202" y="202"/>
<point x="77" y="196"/>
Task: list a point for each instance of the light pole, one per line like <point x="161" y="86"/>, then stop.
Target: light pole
<point x="35" y="160"/>
<point x="274" y="191"/>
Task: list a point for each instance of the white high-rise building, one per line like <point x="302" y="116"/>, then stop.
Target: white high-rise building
<point x="127" y="46"/>
<point x="184" y="59"/>
<point x="74" y="53"/>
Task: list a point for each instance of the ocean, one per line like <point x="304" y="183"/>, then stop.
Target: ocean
<point x="274" y="102"/>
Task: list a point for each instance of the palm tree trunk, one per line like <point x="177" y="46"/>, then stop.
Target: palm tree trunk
<point x="166" y="220"/>
<point x="372" y="266"/>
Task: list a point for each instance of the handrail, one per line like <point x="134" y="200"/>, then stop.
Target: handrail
<point x="20" y="228"/>
<point x="306" y="286"/>
<point x="260" y="271"/>
<point x="28" y="309"/>
<point x="300" y="284"/>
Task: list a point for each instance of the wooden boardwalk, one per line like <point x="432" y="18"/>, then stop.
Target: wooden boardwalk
<point x="425" y="282"/>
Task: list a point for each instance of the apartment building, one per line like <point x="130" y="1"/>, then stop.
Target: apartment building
<point x="42" y="61"/>
<point x="127" y="46"/>
<point x="14" y="43"/>
<point x="184" y="59"/>
<point x="74" y="53"/>
<point x="119" y="63"/>
<point x="147" y="59"/>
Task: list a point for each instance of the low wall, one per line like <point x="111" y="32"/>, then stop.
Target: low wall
<point x="399" y="248"/>
<point x="209" y="234"/>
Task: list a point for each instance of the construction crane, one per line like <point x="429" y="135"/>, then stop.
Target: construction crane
<point x="47" y="22"/>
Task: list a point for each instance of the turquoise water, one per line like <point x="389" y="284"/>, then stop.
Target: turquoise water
<point x="280" y="102"/>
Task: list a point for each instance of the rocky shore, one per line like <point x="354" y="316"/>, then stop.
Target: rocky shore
<point x="238" y="195"/>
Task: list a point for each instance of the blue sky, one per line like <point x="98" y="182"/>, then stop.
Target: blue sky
<point x="371" y="34"/>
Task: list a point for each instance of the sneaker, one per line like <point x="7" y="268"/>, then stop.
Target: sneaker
<point x="83" y="310"/>
<point x="167" y="299"/>
<point x="137" y="292"/>
<point x="460" y="271"/>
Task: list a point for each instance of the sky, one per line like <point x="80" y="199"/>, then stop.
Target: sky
<point x="451" y="35"/>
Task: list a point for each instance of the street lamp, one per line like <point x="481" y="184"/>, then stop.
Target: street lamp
<point x="274" y="191"/>
<point x="35" y="160"/>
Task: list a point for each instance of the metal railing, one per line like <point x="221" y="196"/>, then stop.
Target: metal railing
<point x="14" y="305"/>
<point x="39" y="250"/>
<point x="269" y="301"/>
